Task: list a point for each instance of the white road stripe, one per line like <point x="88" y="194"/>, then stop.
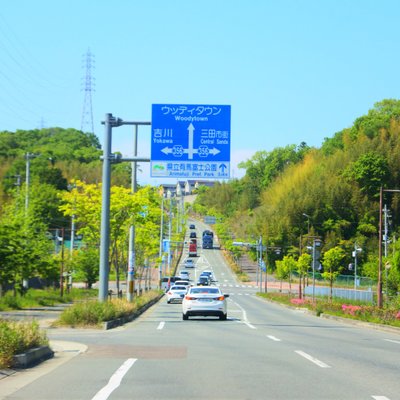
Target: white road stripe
<point x="273" y="338"/>
<point x="115" y="380"/>
<point x="161" y="325"/>
<point x="380" y="397"/>
<point x="312" y="359"/>
<point x="392" y="341"/>
<point x="245" y="320"/>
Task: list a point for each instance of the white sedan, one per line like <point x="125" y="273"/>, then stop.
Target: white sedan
<point x="204" y="301"/>
<point x="176" y="293"/>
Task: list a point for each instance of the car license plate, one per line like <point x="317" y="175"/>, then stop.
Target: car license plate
<point x="206" y="300"/>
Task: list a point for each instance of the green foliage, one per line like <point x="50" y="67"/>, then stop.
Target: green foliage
<point x="332" y="263"/>
<point x="85" y="265"/>
<point x="17" y="337"/>
<point x="93" y="313"/>
<point x="370" y="171"/>
<point x="25" y="250"/>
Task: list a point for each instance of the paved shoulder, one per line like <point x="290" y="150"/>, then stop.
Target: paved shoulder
<point x="12" y="380"/>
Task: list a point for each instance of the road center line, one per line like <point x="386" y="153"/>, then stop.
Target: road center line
<point x="115" y="380"/>
<point x="273" y="338"/>
<point x="161" y="325"/>
<point x="312" y="359"/>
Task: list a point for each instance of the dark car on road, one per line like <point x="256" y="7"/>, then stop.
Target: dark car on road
<point x="203" y="281"/>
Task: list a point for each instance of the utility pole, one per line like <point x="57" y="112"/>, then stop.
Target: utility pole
<point x="28" y="157"/>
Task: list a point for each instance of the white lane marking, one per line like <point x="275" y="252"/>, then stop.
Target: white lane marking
<point x="115" y="380"/>
<point x="244" y="314"/>
<point x="380" y="397"/>
<point x="312" y="359"/>
<point x="273" y="338"/>
<point x="392" y="341"/>
<point x="161" y="325"/>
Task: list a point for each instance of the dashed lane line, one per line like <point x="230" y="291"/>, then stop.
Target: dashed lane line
<point x="275" y="339"/>
<point x="312" y="359"/>
<point x="161" y="325"/>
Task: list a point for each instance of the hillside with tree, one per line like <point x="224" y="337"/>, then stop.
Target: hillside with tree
<point x="51" y="177"/>
<point x="330" y="192"/>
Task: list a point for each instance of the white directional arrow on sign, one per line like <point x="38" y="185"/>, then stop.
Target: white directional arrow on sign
<point x="203" y="151"/>
<point x="167" y="150"/>
<point x="214" y="151"/>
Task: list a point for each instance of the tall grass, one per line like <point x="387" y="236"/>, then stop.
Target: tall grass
<point x="93" y="313"/>
<point x="17" y="337"/>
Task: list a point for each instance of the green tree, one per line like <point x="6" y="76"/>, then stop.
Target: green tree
<point x="25" y="250"/>
<point x="85" y="265"/>
<point x="370" y="172"/>
<point x="285" y="269"/>
<point x="332" y="263"/>
<point x="141" y="209"/>
<point x="302" y="266"/>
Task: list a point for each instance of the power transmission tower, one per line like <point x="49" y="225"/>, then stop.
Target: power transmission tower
<point x="88" y="87"/>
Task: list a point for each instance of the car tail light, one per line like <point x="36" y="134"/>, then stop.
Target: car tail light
<point x="169" y="293"/>
<point x="220" y="298"/>
<point x="190" y="298"/>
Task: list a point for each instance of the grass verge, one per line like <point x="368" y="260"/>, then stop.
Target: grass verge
<point x="388" y="315"/>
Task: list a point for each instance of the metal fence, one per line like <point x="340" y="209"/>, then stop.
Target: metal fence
<point x="349" y="294"/>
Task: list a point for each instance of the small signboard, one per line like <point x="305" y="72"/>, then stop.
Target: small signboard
<point x="190" y="141"/>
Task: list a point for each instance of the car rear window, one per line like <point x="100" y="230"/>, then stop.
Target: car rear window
<point x="205" y="290"/>
<point x="178" y="288"/>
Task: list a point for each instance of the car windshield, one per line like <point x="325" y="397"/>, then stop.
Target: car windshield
<point x="204" y="290"/>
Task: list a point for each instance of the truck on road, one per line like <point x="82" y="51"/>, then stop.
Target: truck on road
<point x="193" y="248"/>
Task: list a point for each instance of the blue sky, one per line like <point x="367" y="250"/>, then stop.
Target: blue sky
<point x="292" y="71"/>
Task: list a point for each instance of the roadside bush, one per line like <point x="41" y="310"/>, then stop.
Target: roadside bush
<point x="93" y="313"/>
<point x="17" y="337"/>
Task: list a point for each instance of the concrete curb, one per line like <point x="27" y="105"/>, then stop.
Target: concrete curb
<point x="32" y="357"/>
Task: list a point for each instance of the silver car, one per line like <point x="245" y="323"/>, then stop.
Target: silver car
<point x="204" y="301"/>
<point x="176" y="293"/>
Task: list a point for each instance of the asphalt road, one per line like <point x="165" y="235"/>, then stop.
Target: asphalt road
<point x="263" y="351"/>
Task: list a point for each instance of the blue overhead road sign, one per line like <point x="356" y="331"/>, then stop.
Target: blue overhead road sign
<point x="190" y="141"/>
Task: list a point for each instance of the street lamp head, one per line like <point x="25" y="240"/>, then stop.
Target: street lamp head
<point x="306" y="215"/>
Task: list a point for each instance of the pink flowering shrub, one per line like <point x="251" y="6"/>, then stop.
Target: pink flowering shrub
<point x="350" y="309"/>
<point x="297" y="301"/>
<point x="398" y="315"/>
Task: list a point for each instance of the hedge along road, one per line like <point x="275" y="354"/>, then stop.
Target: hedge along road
<point x="261" y="351"/>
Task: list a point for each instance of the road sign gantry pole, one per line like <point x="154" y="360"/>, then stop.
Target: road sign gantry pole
<point x="108" y="158"/>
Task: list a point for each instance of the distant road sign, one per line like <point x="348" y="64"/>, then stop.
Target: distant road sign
<point x="209" y="220"/>
<point x="190" y="141"/>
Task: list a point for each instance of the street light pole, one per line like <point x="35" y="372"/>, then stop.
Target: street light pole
<point x="132" y="231"/>
<point x="356" y="250"/>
